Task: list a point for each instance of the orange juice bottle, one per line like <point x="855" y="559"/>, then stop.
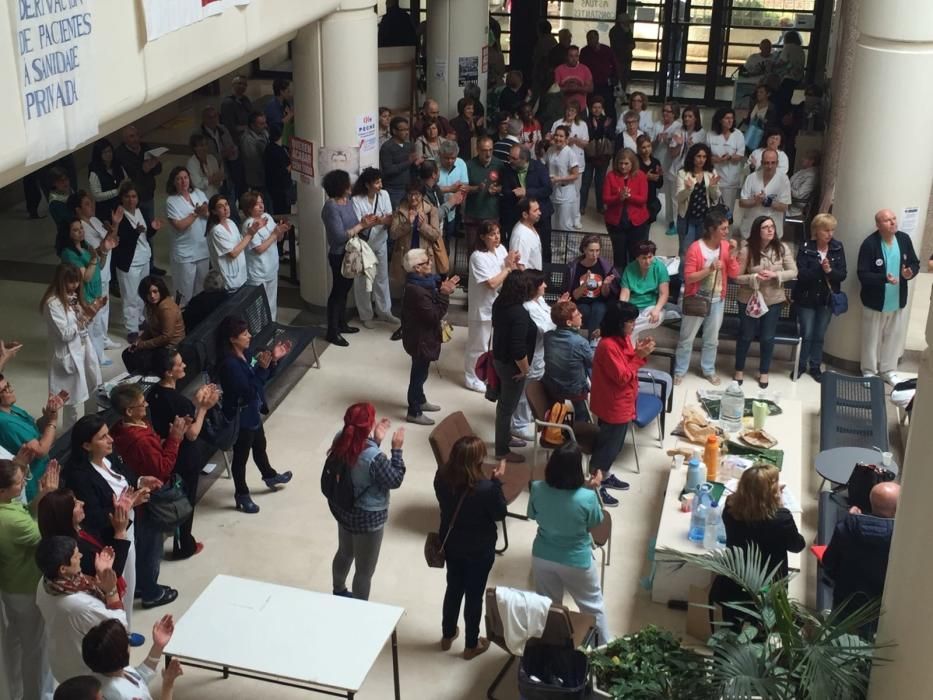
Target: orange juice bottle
<point x="711" y="457"/>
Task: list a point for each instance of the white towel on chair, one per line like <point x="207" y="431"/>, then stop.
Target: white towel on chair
<point x="523" y="616"/>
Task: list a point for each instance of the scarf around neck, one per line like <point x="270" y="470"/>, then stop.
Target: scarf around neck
<point x="81" y="583"/>
<point x="429" y="282"/>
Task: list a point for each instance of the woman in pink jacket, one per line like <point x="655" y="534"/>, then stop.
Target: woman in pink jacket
<point x="708" y="266"/>
<point x="625" y="198"/>
<point x="615" y="390"/>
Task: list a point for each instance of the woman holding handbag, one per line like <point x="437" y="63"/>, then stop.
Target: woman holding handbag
<point x="709" y="264"/>
<point x="341" y="223"/>
<point x="821" y="269"/>
<point x="765" y="264"/>
<point x="471" y="504"/>
<point x="625" y="196"/>
<point x="598" y="153"/>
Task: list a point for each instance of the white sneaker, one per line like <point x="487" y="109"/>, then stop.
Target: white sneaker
<point x="526" y="434"/>
<point x="110" y="345"/>
<point x="388" y="318"/>
<point x="106" y="362"/>
<point x="891" y="378"/>
<point x="476" y="386"/>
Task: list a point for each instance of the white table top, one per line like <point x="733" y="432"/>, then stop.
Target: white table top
<point x="285" y="632"/>
<point x="786" y="428"/>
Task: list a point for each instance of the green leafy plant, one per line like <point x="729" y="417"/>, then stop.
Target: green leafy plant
<point x="786" y="652"/>
<point x="650" y="665"/>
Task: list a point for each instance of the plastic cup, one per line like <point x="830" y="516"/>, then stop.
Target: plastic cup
<point x="887" y="458"/>
<point x="678" y="461"/>
<point x="759" y="413"/>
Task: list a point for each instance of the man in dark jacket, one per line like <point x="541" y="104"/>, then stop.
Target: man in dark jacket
<point x="526" y="177"/>
<point x="424" y="304"/>
<point x="857" y="556"/>
<point x="395" y="160"/>
<point x="886" y="262"/>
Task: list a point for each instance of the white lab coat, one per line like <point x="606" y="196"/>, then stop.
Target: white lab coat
<point x="73" y="364"/>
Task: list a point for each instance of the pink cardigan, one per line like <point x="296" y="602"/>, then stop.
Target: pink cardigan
<point x="693" y="262"/>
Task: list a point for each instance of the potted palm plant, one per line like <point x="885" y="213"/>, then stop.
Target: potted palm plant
<point x="786" y="652"/>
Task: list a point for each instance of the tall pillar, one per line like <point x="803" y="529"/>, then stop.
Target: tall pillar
<point x="893" y="170"/>
<point x="908" y="609"/>
<point x="457" y="30"/>
<point x="336" y="85"/>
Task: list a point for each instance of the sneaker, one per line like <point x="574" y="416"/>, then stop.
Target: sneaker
<point x="478" y="387"/>
<point x="528" y="434"/>
<point x="614" y="482"/>
<point x="609" y="501"/>
<point x="136" y="639"/>
<point x="712" y="379"/>
<point x="678" y="379"/>
<point x="282" y="478"/>
<point x="106" y="362"/>
<point x="110" y="345"/>
<point x="419" y="420"/>
<point x="891" y="378"/>
<point x="368" y="323"/>
<point x="671" y="230"/>
<point x="430" y="407"/>
<point x="388" y="318"/>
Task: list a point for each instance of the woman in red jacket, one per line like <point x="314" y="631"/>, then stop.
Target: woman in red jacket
<point x="625" y="198"/>
<point x="615" y="390"/>
<point x="143" y="451"/>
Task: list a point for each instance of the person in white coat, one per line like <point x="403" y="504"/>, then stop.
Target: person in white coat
<point x="227" y="245"/>
<point x="374" y="209"/>
<point x="663" y="138"/>
<point x="565" y="170"/>
<point x="728" y="147"/>
<point x="262" y="252"/>
<point x="186" y="209"/>
<point x="691" y="133"/>
<point x="766" y="192"/>
<point x="132" y="255"/>
<point x="490" y="264"/>
<point x="73" y="365"/>
<point x="72" y="603"/>
<point x="773" y="140"/>
<point x="579" y="136"/>
<point x="540" y="312"/>
<point x="95" y="231"/>
<point x="525" y="239"/>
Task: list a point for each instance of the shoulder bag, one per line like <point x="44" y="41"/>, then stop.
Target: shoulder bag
<point x="838" y="301"/>
<point x="863" y="479"/>
<point x="698" y="304"/>
<point x="434" y="546"/>
<point x="169" y="506"/>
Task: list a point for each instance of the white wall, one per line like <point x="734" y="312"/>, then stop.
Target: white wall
<point x="135" y="77"/>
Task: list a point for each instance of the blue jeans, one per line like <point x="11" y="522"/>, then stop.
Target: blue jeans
<point x="609" y="443"/>
<point x="813" y="324"/>
<point x="688" y="230"/>
<point x="466" y="582"/>
<point x="419" y="375"/>
<point x="149" y="544"/>
<point x="592" y="312"/>
<point x="689" y="326"/>
<point x="591" y="173"/>
<point x="767" y="325"/>
<point x="510" y="392"/>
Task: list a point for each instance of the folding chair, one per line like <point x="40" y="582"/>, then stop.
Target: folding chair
<point x="649" y="406"/>
<point x="582" y="433"/>
<point x="602" y="540"/>
<point x="562" y="628"/>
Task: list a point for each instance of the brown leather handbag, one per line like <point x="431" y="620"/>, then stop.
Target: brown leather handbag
<point x="698" y="304"/>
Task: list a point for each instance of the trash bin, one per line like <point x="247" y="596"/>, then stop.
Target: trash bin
<point x="551" y="672"/>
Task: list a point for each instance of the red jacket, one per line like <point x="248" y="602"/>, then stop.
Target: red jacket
<point x="143" y="450"/>
<point x="637" y="203"/>
<point x="615" y="380"/>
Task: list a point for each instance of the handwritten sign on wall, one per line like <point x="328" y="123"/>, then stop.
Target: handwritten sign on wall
<point x="53" y="43"/>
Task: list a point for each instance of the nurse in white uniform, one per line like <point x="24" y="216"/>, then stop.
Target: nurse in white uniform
<point x="186" y="209"/>
<point x="728" y="147"/>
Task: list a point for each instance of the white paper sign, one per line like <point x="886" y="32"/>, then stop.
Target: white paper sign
<point x="367" y="132"/>
<point x="910" y="217"/>
<point x="53" y="46"/>
<point x="594" y="9"/>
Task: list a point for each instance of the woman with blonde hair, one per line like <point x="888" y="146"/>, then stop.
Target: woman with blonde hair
<point x="73" y="365"/>
<point x="754" y="514"/>
<point x="471" y="504"/>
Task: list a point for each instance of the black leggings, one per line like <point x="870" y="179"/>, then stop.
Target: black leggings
<point x="247" y="440"/>
<point x="337" y="300"/>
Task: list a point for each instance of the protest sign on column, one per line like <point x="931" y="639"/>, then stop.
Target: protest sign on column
<point x="53" y="46"/>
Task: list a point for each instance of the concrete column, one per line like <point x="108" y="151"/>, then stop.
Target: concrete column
<point x="907" y="618"/>
<point x="457" y="29"/>
<point x="892" y="170"/>
<point x="336" y="84"/>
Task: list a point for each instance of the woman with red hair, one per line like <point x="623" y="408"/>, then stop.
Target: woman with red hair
<point x="359" y="530"/>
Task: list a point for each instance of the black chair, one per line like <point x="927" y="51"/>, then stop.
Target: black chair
<point x="556" y="275"/>
<point x="852" y="412"/>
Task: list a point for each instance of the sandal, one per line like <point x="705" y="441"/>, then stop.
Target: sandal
<point x="712" y="379"/>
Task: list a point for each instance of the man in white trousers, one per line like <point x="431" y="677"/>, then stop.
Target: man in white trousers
<point x="886" y="263"/>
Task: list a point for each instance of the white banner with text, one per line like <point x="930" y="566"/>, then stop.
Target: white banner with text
<point x="164" y="16"/>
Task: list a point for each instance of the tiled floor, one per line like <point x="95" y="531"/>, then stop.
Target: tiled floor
<point x="293" y="539"/>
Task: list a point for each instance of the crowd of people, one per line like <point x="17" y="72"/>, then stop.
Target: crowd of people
<point x="81" y="533"/>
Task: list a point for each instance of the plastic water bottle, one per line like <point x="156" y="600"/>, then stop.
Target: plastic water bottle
<point x="721" y="530"/>
<point x="732" y="408"/>
<point x="701" y="504"/>
<point x="711" y="533"/>
<point x="696" y="472"/>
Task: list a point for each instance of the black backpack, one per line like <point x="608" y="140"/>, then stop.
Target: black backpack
<point x="336" y="483"/>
